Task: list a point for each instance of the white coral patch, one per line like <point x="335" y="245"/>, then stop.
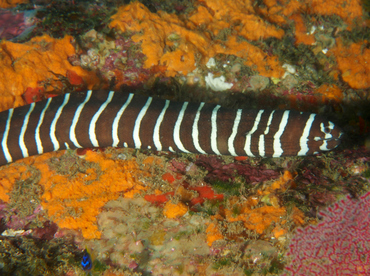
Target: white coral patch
<point x="217" y="84"/>
<point x="211" y="63"/>
<point x="289" y="70"/>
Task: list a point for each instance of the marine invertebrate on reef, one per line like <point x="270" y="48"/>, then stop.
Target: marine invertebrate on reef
<point x="172" y="210"/>
<point x="7" y="178"/>
<point x="181" y="46"/>
<point x="213" y="234"/>
<point x="217" y="83"/>
<point x="350" y="11"/>
<point x="119" y="61"/>
<point x="259" y="215"/>
<point x="74" y="201"/>
<point x="338" y="245"/>
<point x="131" y="228"/>
<point x="60" y="17"/>
<point x="354" y="63"/>
<point x="41" y="60"/>
<point x="330" y="92"/>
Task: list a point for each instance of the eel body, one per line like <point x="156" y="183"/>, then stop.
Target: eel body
<point x="107" y="118"/>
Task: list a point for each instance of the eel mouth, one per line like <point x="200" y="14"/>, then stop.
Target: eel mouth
<point x="335" y="141"/>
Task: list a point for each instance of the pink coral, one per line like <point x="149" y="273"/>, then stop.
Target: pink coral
<point x="338" y="245"/>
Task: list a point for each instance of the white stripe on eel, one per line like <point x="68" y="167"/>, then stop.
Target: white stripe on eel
<point x="116" y="121"/>
<point x="214" y="130"/>
<point x="157" y="127"/>
<point x="231" y="140"/>
<point x="136" y="133"/>
<point x="54" y="139"/>
<point x="4" y="141"/>
<point x="76" y="117"/>
<point x="92" y="133"/>
<point x="278" y="150"/>
<point x="304" y="137"/>
<point x="248" y="138"/>
<point x="195" y="130"/>
<point x="176" y="131"/>
<point x="40" y="148"/>
<point x="22" y="145"/>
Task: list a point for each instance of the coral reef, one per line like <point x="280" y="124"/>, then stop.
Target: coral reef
<point x="136" y="236"/>
<point x="187" y="46"/>
<point x="74" y="201"/>
<point x="353" y="62"/>
<point x="39" y="62"/>
<point x="117" y="61"/>
<point x="29" y="256"/>
<point x="158" y="213"/>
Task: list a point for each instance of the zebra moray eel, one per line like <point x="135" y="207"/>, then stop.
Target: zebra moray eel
<point x="107" y="118"/>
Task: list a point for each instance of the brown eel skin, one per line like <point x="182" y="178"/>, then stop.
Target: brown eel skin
<point x="107" y="118"/>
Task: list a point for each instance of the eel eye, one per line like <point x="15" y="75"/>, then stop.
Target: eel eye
<point x="327" y="130"/>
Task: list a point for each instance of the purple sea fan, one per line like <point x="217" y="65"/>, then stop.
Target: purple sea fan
<point x="338" y="245"/>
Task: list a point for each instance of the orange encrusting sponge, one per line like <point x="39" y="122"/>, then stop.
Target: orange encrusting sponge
<point x="172" y="210"/>
<point x="42" y="59"/>
<point x="354" y="63"/>
<point x="74" y="201"/>
<point x="6" y="4"/>
<point x="182" y="45"/>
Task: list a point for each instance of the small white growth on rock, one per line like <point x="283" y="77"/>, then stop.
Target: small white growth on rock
<point x="211" y="63"/>
<point x="217" y="84"/>
<point x="289" y="70"/>
<point x="312" y="31"/>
